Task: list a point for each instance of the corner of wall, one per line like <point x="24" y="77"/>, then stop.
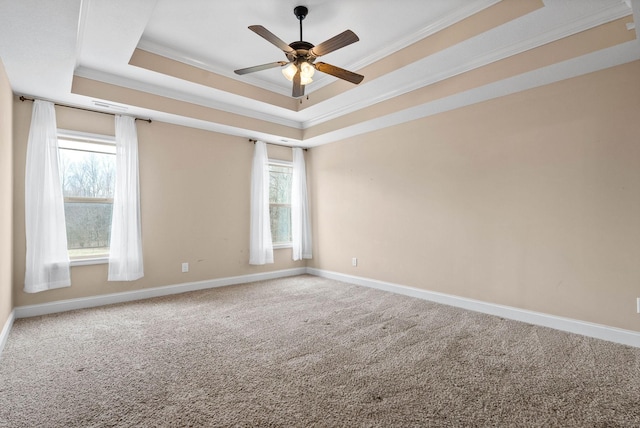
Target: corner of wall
<point x="6" y="201"/>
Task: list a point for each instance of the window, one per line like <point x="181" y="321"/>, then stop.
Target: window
<point x="87" y="173"/>
<point x="280" y="173"/>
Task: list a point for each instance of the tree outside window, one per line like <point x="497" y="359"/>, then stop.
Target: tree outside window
<point x="88" y="172"/>
<point x="280" y="174"/>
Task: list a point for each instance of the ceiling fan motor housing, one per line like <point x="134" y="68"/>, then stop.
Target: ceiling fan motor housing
<point x="300" y="12"/>
<point x="302" y="56"/>
<point x="302" y="51"/>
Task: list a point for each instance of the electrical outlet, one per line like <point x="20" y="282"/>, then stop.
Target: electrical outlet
<point x="354" y="262"/>
<point x="638" y="305"/>
<point x="185" y="267"/>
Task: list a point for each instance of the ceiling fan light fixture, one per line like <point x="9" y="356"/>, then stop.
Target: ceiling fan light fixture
<point x="290" y="71"/>
<point x="306" y="72"/>
<point x="301" y="56"/>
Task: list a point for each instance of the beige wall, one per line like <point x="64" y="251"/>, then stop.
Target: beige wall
<point x="6" y="192"/>
<point x="194" y="206"/>
<point x="530" y="200"/>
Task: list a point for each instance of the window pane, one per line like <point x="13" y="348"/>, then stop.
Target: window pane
<point x="280" y="223"/>
<point x="88" y="228"/>
<point x="87" y="174"/>
<point x="280" y="203"/>
<point x="279" y="184"/>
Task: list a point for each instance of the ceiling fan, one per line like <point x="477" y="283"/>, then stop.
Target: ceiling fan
<point x="302" y="56"/>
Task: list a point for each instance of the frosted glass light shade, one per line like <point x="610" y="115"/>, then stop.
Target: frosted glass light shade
<point x="290" y="71"/>
<point x="306" y="72"/>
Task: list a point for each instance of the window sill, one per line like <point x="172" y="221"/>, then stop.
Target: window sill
<point x="93" y="261"/>
<point x="281" y="246"/>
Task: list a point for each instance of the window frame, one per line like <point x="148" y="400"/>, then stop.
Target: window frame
<point x="288" y="164"/>
<point x="86" y="137"/>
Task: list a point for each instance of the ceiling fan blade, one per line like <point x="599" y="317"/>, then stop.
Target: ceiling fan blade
<point x="260" y="67"/>
<point x="341" y="40"/>
<point x="338" y="72"/>
<point x="272" y="38"/>
<point x="298" y="88"/>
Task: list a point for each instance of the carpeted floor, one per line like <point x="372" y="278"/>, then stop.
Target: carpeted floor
<point x="308" y="352"/>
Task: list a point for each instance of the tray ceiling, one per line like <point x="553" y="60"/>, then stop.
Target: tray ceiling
<point x="174" y="61"/>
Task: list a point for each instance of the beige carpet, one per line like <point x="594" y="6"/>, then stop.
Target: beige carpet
<point x="308" y="352"/>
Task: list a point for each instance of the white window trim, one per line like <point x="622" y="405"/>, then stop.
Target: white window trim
<point x="96" y="138"/>
<point x="87" y="262"/>
<point x="279" y="162"/>
<point x="86" y="136"/>
<point x="283" y="245"/>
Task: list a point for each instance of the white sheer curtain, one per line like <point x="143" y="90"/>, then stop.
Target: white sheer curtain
<point x="260" y="246"/>
<point x="47" y="258"/>
<point x="300" y="224"/>
<point x="125" y="252"/>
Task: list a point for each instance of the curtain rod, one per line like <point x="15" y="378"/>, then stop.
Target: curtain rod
<point x="23" y="98"/>
<point x="251" y="140"/>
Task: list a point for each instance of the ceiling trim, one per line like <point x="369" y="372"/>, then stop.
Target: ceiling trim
<point x="589" y="63"/>
<point x="159" y="106"/>
<point x="165" y="92"/>
<point x="82" y="22"/>
<point x="173" y="54"/>
<point x="381" y="84"/>
<point x="604" y="16"/>
<point x="176" y="69"/>
<point x="222" y="84"/>
<point x="433" y="27"/>
<point x="322" y="80"/>
<point x="635" y="6"/>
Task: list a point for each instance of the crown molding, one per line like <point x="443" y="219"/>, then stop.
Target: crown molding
<point x="602" y="16"/>
<point x="321" y="81"/>
<point x="80" y="35"/>
<point x="386" y="87"/>
<point x="137" y="85"/>
<point x="614" y="56"/>
<point x="438" y="25"/>
<point x="635" y="7"/>
<point x="173" y="54"/>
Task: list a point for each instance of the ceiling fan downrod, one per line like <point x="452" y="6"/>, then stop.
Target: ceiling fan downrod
<point x="300" y="12"/>
<point x="302" y="56"/>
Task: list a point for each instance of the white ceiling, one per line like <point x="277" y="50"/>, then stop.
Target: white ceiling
<point x="43" y="44"/>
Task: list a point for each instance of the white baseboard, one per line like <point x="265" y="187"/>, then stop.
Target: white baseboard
<point x="598" y="331"/>
<point x="612" y="334"/>
<point x="4" y="335"/>
<point x="128" y="296"/>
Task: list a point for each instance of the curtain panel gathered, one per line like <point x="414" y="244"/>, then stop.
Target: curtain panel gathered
<point x="47" y="259"/>
<point x="300" y="219"/>
<point x="260" y="246"/>
<point x="125" y="253"/>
